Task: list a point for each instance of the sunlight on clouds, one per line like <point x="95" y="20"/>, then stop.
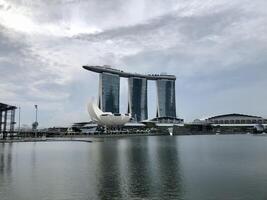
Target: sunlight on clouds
<point x="21" y="20"/>
<point x="75" y="29"/>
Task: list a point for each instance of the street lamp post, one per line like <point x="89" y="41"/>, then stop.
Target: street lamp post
<point x="36" y="122"/>
<point x="36" y="110"/>
<point x="19" y="121"/>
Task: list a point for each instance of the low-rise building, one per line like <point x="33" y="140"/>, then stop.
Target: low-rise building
<point x="237" y="119"/>
<point x="7" y="119"/>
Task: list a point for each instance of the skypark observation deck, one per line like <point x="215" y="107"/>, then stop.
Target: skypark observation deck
<point x="108" y="69"/>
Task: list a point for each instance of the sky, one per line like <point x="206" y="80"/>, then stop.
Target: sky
<point x="217" y="49"/>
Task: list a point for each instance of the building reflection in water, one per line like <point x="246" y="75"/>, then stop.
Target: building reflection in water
<point x="169" y="172"/>
<point x="135" y="168"/>
<point x="5" y="159"/>
<point x="145" y="168"/>
<point x="107" y="171"/>
<point x="5" y="169"/>
<point x="125" y="168"/>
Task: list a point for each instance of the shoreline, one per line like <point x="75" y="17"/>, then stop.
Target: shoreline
<point x="99" y="138"/>
<point x="73" y="138"/>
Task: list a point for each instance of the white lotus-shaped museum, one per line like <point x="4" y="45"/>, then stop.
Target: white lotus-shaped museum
<point x="106" y="118"/>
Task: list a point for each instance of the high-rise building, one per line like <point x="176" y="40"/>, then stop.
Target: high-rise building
<point x="109" y="92"/>
<point x="137" y="98"/>
<point x="166" y="98"/>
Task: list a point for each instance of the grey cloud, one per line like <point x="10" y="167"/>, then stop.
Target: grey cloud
<point x="216" y="49"/>
<point x="173" y="31"/>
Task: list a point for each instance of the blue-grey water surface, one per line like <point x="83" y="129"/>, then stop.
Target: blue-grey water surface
<point x="155" y="167"/>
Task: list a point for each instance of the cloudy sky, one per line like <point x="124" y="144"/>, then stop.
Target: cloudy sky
<point x="216" y="48"/>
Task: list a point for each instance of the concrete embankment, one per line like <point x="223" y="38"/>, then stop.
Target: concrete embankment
<point x="77" y="138"/>
<point x="46" y="140"/>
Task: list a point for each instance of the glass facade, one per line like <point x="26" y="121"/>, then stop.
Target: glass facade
<point x="109" y="96"/>
<point x="109" y="92"/>
<point x="166" y="98"/>
<point x="138" y="98"/>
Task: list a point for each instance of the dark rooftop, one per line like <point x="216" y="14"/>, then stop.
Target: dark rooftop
<point x="4" y="107"/>
<point x="234" y="115"/>
<point x="108" y="69"/>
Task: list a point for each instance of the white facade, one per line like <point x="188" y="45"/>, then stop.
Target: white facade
<point x="106" y="118"/>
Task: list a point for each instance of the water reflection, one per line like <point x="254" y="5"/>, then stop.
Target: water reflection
<point x="211" y="167"/>
<point x="135" y="168"/>
<point x="108" y="184"/>
<point x="5" y="158"/>
<point x="169" y="174"/>
<point x="5" y="169"/>
<point x="137" y="171"/>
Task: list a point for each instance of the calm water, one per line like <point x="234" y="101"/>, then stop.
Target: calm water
<point x="164" y="167"/>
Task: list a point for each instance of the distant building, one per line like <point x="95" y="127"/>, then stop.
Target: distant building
<point x="237" y="119"/>
<point x="137" y="98"/>
<point x="107" y="119"/>
<point x="167" y="120"/>
<point x="109" y="92"/>
<point x="7" y="119"/>
<point x="166" y="98"/>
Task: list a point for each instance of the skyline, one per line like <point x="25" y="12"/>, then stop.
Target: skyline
<point x="216" y="49"/>
<point x="109" y="92"/>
